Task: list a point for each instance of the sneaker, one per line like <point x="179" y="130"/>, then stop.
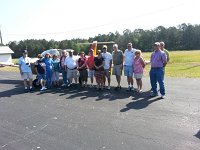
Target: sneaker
<point x="26" y="90"/>
<point x="153" y="95"/>
<point x="140" y="91"/>
<point x="128" y="89"/>
<point x="162" y="97"/>
<point x="108" y="87"/>
<point x="69" y="85"/>
<point x="31" y="90"/>
<point x="64" y="84"/>
<point x="91" y="86"/>
<point x="42" y="89"/>
<point x="118" y="87"/>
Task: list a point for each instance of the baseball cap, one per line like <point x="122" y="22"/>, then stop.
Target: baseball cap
<point x="156" y="44"/>
<point x="98" y="51"/>
<point x="71" y="50"/>
<point x="104" y="46"/>
<point x="25" y="51"/>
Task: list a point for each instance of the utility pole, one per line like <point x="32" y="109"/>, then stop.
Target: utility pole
<point x="1" y="37"/>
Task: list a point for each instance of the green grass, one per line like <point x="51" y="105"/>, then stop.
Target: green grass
<point x="184" y="64"/>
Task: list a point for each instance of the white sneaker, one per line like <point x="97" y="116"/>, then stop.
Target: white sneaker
<point x="108" y="87"/>
<point x="63" y="84"/>
<point x="162" y="97"/>
<point x="42" y="89"/>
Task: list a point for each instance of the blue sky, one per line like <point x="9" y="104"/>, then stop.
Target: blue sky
<point x="66" y="19"/>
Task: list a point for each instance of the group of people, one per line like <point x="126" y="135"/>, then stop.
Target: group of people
<point x="83" y="67"/>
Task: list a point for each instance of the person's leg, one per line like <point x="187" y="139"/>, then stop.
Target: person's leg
<point x="98" y="82"/>
<point x="109" y="79"/>
<point x="57" y="79"/>
<point x="69" y="77"/>
<point x="140" y="84"/>
<point x="160" y="78"/>
<point x="64" y="76"/>
<point x="107" y="75"/>
<point x="130" y="72"/>
<point x="75" y="75"/>
<point x="118" y="78"/>
<point x="153" y="81"/>
<point x="25" y="84"/>
<point x="85" y="77"/>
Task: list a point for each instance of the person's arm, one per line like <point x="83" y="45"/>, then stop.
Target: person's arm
<point x="96" y="67"/>
<point x="65" y="65"/>
<point x="110" y="64"/>
<point x="20" y="63"/>
<point x="103" y="63"/>
<point x="36" y="64"/>
<point x="143" y="62"/>
<point x="85" y="63"/>
<point x="164" y="58"/>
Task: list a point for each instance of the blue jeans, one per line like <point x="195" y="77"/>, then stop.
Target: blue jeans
<point x="157" y="75"/>
<point x="48" y="77"/>
<point x="64" y="75"/>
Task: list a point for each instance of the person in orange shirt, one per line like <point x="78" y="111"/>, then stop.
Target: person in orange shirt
<point x="90" y="65"/>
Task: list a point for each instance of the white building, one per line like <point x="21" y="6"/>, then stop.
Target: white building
<point x="5" y="55"/>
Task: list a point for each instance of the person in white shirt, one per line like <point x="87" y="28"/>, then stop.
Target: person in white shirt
<point x="25" y="70"/>
<point x="107" y="65"/>
<point x="71" y="67"/>
<point x="129" y="55"/>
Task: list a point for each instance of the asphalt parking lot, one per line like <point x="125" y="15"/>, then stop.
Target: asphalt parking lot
<point x="85" y="119"/>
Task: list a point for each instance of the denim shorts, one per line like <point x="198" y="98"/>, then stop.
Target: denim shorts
<point x="42" y="76"/>
<point x="128" y="71"/>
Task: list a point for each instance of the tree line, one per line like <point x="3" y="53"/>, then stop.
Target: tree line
<point x="183" y="37"/>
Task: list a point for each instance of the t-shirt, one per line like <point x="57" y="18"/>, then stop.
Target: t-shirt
<point x="117" y="57"/>
<point x="158" y="58"/>
<point x="81" y="61"/>
<point x="98" y="62"/>
<point x="167" y="53"/>
<point x="49" y="63"/>
<point x="25" y="64"/>
<point x="62" y="62"/>
<point x="56" y="66"/>
<point x="41" y="66"/>
<point x="71" y="62"/>
<point x="129" y="57"/>
<point x="107" y="58"/>
<point x="90" y="62"/>
<point x="137" y="65"/>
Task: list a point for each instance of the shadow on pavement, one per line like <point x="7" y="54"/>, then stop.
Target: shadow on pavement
<point x="14" y="91"/>
<point x="141" y="101"/>
<point x="197" y="135"/>
<point x="83" y="93"/>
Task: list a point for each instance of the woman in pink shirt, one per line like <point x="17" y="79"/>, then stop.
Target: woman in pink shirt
<point x="138" y="65"/>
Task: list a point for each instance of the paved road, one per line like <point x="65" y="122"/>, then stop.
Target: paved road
<point x="76" y="119"/>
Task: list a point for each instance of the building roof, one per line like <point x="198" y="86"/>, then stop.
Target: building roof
<point x="5" y="50"/>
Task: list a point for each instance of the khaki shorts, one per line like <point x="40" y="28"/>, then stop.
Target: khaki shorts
<point x="117" y="70"/>
<point x="27" y="75"/>
<point x="138" y="75"/>
<point x="72" y="73"/>
<point x="107" y="73"/>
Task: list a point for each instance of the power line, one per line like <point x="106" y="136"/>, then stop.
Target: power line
<point x="107" y="24"/>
